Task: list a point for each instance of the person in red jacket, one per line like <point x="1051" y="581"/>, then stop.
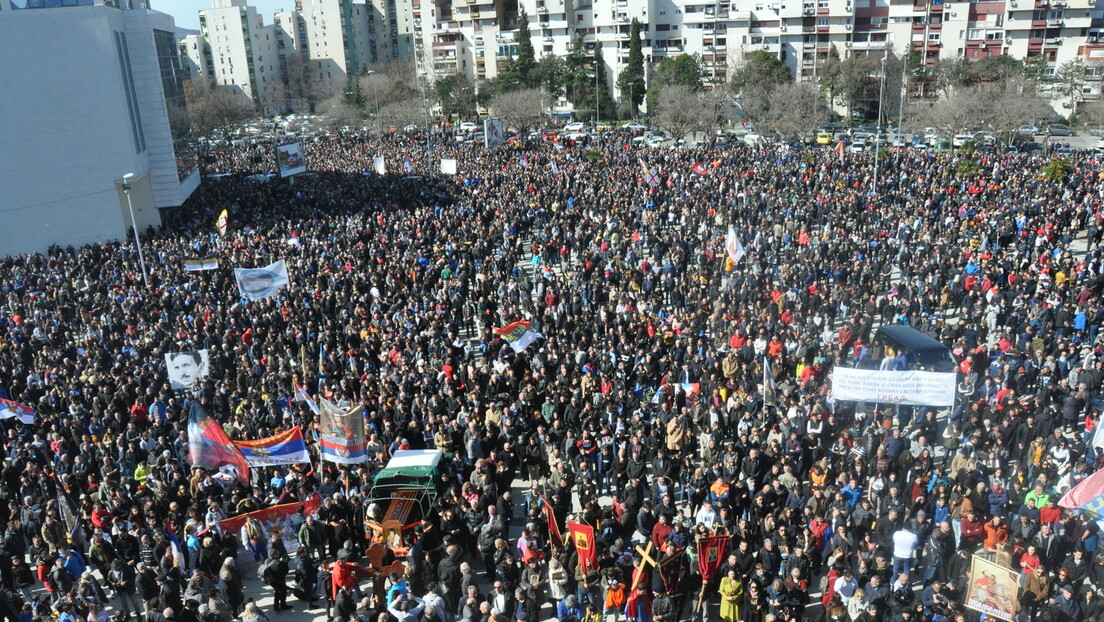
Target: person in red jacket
<point x="973" y="532"/>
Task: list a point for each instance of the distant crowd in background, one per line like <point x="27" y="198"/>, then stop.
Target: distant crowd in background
<point x="676" y="394"/>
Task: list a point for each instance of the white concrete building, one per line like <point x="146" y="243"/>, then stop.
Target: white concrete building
<point x="460" y="36"/>
<point x="243" y="52"/>
<point x="104" y="99"/>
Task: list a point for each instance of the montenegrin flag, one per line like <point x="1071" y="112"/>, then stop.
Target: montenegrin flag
<point x="518" y="335"/>
<point x="280" y="449"/>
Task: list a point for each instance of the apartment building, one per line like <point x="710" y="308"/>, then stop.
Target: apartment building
<point x="240" y="52"/>
<point x="474" y="37"/>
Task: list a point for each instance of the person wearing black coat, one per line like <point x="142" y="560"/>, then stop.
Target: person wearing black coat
<point x="345" y="605"/>
<point x="147" y="583"/>
<point x="276" y="577"/>
<point x="306" y="579"/>
<point x="448" y="577"/>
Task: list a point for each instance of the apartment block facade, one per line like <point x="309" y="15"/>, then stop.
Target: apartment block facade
<point x="475" y="37"/>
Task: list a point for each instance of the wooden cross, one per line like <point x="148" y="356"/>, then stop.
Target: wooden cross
<point x="645" y="559"/>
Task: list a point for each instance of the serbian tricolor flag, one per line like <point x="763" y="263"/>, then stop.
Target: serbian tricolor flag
<point x="277" y="450"/>
<point x="524" y="161"/>
<point x="554" y="534"/>
<point x="223" y="221"/>
<point x="174" y="546"/>
<point x="1088" y="496"/>
<point x="711" y="554"/>
<point x="15" y="410"/>
<point x="518" y="335"/>
<point x="690" y="388"/>
<point x="583" y="537"/>
<point x="699" y="168"/>
<point x="209" y="446"/>
<point x="302" y="396"/>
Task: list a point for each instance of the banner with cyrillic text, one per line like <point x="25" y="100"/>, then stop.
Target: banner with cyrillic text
<point x="906" y="388"/>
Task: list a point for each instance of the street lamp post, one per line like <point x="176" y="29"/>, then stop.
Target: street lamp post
<point x="134" y="225"/>
<point x="877" y="140"/>
<point x="375" y="98"/>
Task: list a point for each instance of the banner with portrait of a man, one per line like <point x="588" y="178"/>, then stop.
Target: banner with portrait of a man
<point x="186" y="369"/>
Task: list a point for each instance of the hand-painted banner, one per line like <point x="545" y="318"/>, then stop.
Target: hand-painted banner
<point x="275" y="515"/>
<point x="281" y="449"/>
<point x="711" y="554"/>
<point x="342" y="435"/>
<point x="993" y="590"/>
<point x="583" y="537"/>
<point x="906" y="388"/>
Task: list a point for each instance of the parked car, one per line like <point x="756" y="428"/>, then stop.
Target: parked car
<point x="961" y="139"/>
<point x="1100" y="144"/>
<point x="468" y="126"/>
<point x="635" y="126"/>
<point x="858" y="146"/>
<point x="1029" y="130"/>
<point x="1031" y="147"/>
<point x="574" y="126"/>
<point x="824" y="138"/>
<point x="1060" y="130"/>
<point x="831" y="127"/>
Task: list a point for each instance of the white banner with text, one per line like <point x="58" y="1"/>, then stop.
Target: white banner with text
<point x="905" y="388"/>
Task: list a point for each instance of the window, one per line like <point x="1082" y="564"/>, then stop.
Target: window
<point x="974" y="34"/>
<point x="1056" y="14"/>
<point x="933" y="37"/>
<point x="822" y="22"/>
<point x="822" y="4"/>
<point x="994" y="35"/>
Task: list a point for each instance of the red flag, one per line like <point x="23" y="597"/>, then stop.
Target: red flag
<point x="711" y="554"/>
<point x="583" y="537"/>
<point x="699" y="168"/>
<point x="209" y="446"/>
<point x="553" y="527"/>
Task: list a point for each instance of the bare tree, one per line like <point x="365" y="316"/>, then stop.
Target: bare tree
<point x="522" y="110"/>
<point x="949" y="114"/>
<point x="212" y="107"/>
<point x="760" y="103"/>
<point x="679" y="110"/>
<point x="802" y="108"/>
<point x="401" y="113"/>
<point x="303" y="88"/>
<point x="1008" y="105"/>
<point x="340" y="113"/>
<point x="1093" y="114"/>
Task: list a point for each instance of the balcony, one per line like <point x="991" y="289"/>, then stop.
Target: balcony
<point x="868" y="45"/>
<point x="1053" y="41"/>
<point x="1054" y="23"/>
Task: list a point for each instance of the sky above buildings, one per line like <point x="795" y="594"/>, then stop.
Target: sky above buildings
<point x="186" y="12"/>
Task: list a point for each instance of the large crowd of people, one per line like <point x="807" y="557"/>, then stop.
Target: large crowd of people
<point x="675" y="393"/>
